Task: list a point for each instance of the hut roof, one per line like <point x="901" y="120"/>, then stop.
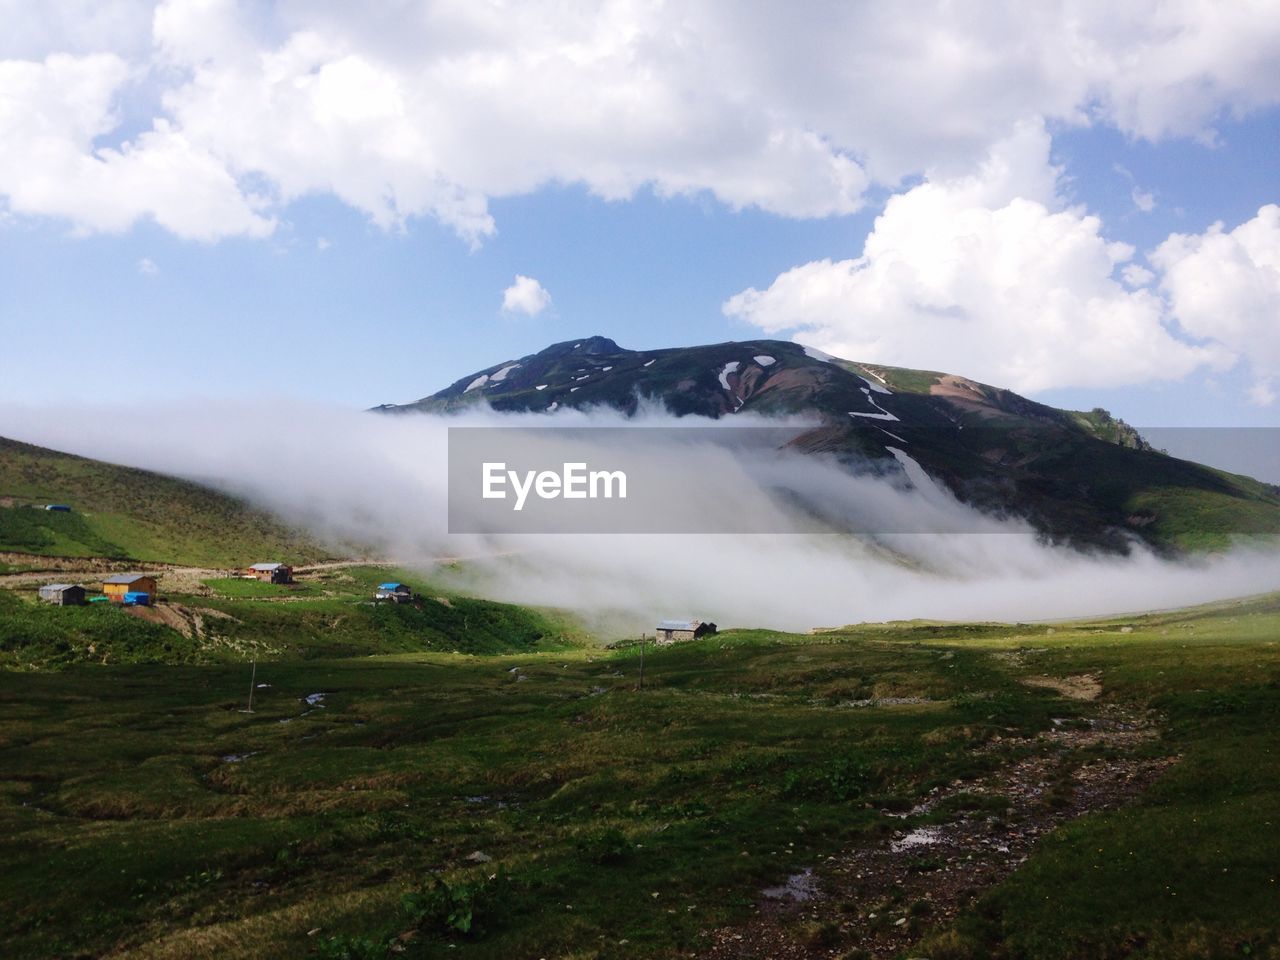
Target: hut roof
<point x="127" y="578"/>
<point x="58" y="586"/>
<point x="678" y="624"/>
<point x="266" y="566"/>
<point x="389" y="586"/>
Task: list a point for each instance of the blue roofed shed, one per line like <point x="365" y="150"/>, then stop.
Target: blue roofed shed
<point x="395" y="591"/>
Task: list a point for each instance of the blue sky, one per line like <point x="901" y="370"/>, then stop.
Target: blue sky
<point x="333" y="269"/>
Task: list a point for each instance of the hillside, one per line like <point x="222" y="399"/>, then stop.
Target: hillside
<point x="131" y="514"/>
<point x="1083" y="477"/>
<point x="325" y="613"/>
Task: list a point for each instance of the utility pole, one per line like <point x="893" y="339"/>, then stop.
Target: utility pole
<point x="641" y="687"/>
<point x="253" y="676"/>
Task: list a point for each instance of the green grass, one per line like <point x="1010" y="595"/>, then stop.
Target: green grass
<point x="126" y="829"/>
<point x="243" y="588"/>
<point x="1193" y="871"/>
<point x="332" y="614"/>
<point x="43" y="637"/>
<point x="34" y="530"/>
<point x="123" y="512"/>
<point x="341" y="627"/>
<point x="1206" y="519"/>
<point x="329" y="614"/>
<point x="587" y="803"/>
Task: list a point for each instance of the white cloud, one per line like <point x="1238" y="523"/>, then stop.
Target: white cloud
<point x="53" y="112"/>
<point x="1225" y="286"/>
<point x="415" y="109"/>
<point x="383" y="482"/>
<point x="1136" y="275"/>
<point x="75" y="26"/>
<point x="1144" y="200"/>
<point x="147" y="267"/>
<point x="984" y="276"/>
<point x="526" y="295"/>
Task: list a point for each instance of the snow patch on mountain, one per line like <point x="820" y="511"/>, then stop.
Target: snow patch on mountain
<point x="813" y="353"/>
<point x="919" y="479"/>
<point x="882" y="415"/>
<point x="730" y="367"/>
<point x="877" y="387"/>
<point x="502" y="374"/>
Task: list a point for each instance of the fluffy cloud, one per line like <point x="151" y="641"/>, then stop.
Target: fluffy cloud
<point x="414" y="109"/>
<point x="525" y="296"/>
<point x="985" y="275"/>
<point x="1225" y="287"/>
<point x="53" y="113"/>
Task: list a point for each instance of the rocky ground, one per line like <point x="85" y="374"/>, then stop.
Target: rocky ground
<point x="876" y="901"/>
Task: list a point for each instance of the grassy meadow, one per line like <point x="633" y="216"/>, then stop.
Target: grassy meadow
<point x="385" y="799"/>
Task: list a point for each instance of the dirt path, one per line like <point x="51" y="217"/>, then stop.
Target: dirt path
<point x="172" y="577"/>
<point x="882" y="898"/>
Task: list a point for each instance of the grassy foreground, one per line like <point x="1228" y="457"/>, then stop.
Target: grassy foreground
<point x="539" y="805"/>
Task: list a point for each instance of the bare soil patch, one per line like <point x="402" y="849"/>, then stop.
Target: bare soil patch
<point x="1084" y="686"/>
<point x="191" y="622"/>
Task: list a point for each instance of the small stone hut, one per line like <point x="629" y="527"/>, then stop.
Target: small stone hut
<point x="669" y="631"/>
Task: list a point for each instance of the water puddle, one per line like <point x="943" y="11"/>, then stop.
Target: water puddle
<point x="315" y="701"/>
<point x="799" y="887"/>
<point x="919" y="837"/>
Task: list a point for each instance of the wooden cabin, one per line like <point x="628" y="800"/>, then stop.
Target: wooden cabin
<point x="62" y="594"/>
<point x="116" y="587"/>
<point x="270" y="572"/>
<point x="669" y="631"/>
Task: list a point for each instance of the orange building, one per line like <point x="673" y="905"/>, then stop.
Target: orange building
<point x="116" y="587"/>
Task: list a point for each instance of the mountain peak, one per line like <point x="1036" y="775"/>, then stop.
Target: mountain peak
<point x="1081" y="476"/>
<point x="586" y="346"/>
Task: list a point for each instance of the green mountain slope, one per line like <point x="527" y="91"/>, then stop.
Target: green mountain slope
<point x="1083" y="477"/>
<point x="132" y="514"/>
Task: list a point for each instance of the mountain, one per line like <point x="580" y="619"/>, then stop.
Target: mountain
<point x="1080" y="477"/>
<point x="131" y="514"/>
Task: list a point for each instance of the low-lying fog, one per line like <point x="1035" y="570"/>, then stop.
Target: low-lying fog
<point x="382" y="481"/>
